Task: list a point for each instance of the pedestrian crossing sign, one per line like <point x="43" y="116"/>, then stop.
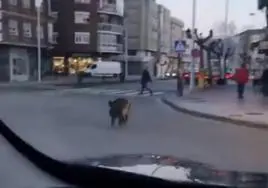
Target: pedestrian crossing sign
<point x="180" y="46"/>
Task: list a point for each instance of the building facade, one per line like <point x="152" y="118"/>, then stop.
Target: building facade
<point x="244" y="43"/>
<point x="18" y="39"/>
<point x="150" y="30"/>
<point x="142" y="27"/>
<point x="164" y="30"/>
<point x="85" y="30"/>
<point x="164" y="33"/>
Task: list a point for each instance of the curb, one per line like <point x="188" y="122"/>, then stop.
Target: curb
<point x="238" y="122"/>
<point x="55" y="86"/>
<point x="85" y="84"/>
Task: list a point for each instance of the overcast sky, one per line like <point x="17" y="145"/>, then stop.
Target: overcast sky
<point x="212" y="11"/>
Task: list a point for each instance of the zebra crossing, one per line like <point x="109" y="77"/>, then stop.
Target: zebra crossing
<point x="103" y="91"/>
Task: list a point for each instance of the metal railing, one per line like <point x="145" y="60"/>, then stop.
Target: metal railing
<point x="108" y="8"/>
<point x="110" y="48"/>
<point x="110" y="28"/>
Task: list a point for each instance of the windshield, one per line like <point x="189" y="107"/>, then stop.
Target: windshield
<point x="91" y="79"/>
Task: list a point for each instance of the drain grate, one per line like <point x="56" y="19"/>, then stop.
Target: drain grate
<point x="255" y="113"/>
<point x="236" y="115"/>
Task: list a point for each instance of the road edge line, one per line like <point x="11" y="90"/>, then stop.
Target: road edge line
<point x="244" y="123"/>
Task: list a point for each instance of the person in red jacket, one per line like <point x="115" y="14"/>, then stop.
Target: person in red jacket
<point x="241" y="77"/>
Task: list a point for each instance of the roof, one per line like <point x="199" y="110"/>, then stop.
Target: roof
<point x="177" y="21"/>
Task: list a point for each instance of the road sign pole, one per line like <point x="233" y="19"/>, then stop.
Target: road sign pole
<point x="192" y="78"/>
<point x="179" y="76"/>
<point x="180" y="49"/>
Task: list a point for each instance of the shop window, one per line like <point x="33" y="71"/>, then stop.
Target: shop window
<point x="79" y="64"/>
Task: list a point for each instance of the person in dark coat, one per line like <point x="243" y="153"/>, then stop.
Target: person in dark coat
<point x="264" y="82"/>
<point x="145" y="79"/>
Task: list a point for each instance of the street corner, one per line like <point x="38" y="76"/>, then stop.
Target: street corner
<point x="199" y="107"/>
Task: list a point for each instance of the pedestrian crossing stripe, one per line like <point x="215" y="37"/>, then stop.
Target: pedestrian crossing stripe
<point x="99" y="91"/>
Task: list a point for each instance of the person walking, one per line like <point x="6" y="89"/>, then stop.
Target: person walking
<point x="145" y="79"/>
<point x="241" y="77"/>
<point x="264" y="82"/>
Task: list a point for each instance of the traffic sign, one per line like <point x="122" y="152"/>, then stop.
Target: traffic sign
<point x="180" y="46"/>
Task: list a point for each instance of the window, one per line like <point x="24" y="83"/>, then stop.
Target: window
<point x="82" y="1"/>
<point x="108" y="39"/>
<point x="27" y="30"/>
<point x="13" y="27"/>
<point x="50" y="32"/>
<point x="82" y="38"/>
<point x="41" y="31"/>
<point x="26" y="4"/>
<point x="54" y="14"/>
<point x="81" y="17"/>
<point x="54" y="37"/>
<point x="104" y="18"/>
<point x="13" y="2"/>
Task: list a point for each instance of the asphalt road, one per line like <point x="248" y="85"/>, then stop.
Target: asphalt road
<point x="70" y="127"/>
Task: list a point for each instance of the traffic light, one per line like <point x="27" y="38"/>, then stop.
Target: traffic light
<point x="188" y="34"/>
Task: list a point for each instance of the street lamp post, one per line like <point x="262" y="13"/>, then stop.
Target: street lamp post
<point x="125" y="46"/>
<point x="126" y="52"/>
<point x="38" y="7"/>
<point x="222" y="80"/>
<point x="226" y="20"/>
<point x="192" y="78"/>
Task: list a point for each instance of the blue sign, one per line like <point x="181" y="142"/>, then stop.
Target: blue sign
<point x="180" y="46"/>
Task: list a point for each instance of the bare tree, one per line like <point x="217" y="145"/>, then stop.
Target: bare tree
<point x="224" y="49"/>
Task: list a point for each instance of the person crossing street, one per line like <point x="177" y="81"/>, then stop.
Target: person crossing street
<point x="145" y="79"/>
<point x="241" y="77"/>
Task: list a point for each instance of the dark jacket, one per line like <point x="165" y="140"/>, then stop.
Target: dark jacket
<point x="264" y="78"/>
<point x="145" y="78"/>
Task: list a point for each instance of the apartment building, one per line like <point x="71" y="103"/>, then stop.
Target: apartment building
<point x="164" y="30"/>
<point x="244" y="41"/>
<point x="18" y="39"/>
<point x="86" y="29"/>
<point x="142" y="27"/>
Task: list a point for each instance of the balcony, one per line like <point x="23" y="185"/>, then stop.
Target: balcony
<point x="109" y="9"/>
<point x="110" y="28"/>
<point x="110" y="48"/>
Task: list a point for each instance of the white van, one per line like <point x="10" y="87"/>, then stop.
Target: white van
<point x="105" y="69"/>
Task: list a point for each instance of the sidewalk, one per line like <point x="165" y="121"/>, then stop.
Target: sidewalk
<point x="70" y="81"/>
<point x="221" y="103"/>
